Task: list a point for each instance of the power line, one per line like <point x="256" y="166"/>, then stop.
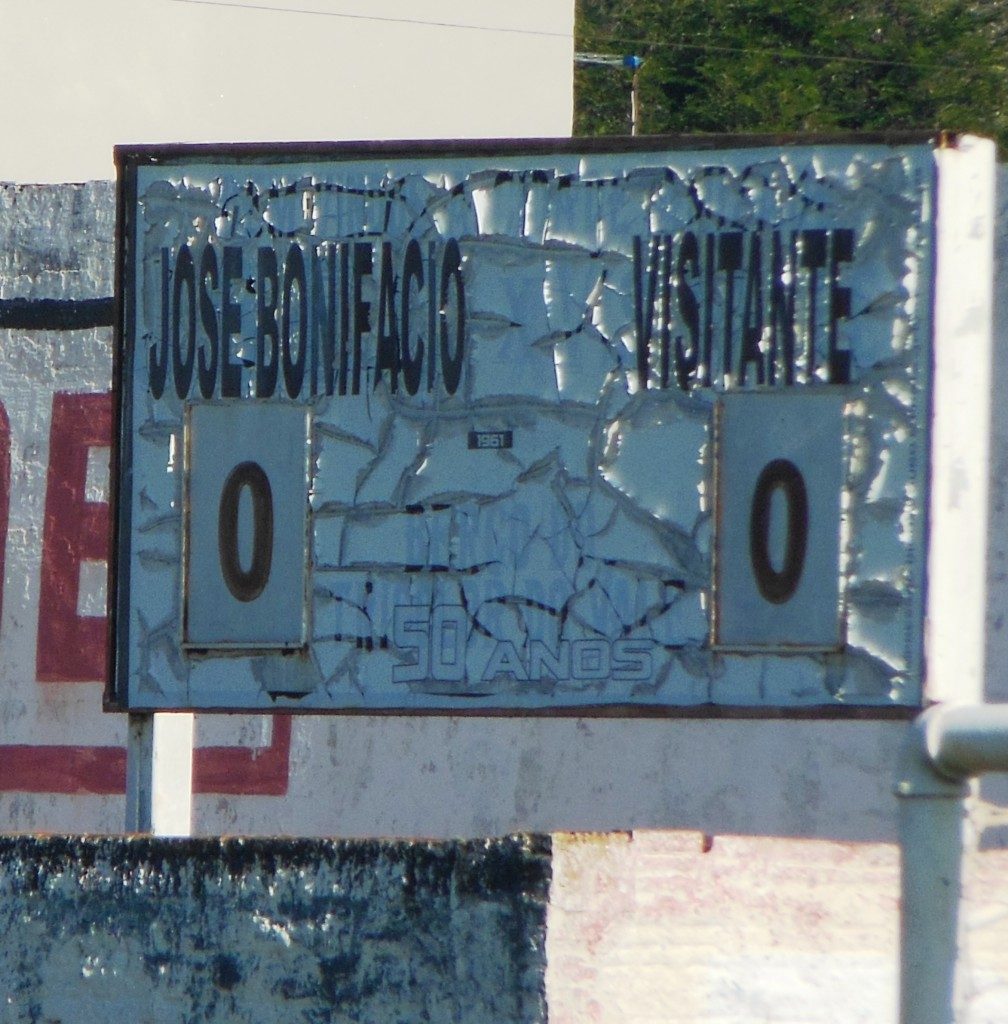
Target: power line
<point x="373" y="17"/>
<point x="650" y="46"/>
<point x="647" y="44"/>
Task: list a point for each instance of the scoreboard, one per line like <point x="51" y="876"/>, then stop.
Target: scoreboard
<point x="553" y="426"/>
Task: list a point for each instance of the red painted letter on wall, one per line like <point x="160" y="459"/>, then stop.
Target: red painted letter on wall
<point x="71" y="646"/>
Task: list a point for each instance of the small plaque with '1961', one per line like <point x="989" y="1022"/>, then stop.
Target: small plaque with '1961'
<point x="491" y="439"/>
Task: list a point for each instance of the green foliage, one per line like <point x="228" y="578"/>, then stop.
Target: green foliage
<point x="804" y="65"/>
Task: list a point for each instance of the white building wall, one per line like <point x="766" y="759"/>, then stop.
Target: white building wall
<point x="80" y="78"/>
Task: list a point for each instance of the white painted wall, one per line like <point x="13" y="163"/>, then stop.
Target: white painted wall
<point x="80" y="78"/>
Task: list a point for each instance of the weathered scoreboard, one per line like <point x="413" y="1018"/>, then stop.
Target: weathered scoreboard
<point x="527" y="426"/>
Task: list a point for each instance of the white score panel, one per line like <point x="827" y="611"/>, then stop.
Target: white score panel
<point x="246" y="525"/>
<point x="780" y="477"/>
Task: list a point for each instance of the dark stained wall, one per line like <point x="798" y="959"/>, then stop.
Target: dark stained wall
<point x="263" y="930"/>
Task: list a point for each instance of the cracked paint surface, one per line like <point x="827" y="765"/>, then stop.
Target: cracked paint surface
<point x="512" y="366"/>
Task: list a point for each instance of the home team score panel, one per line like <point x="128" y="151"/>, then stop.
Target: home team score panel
<point x="747" y="357"/>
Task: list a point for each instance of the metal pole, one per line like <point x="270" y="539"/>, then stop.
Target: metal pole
<point x="931" y="839"/>
<point x="945" y="748"/>
<point x="613" y="60"/>
<point x="159" y="751"/>
<point x="966" y="740"/>
<point x="634" y="102"/>
<point x="139" y="773"/>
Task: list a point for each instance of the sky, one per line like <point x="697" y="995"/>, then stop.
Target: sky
<point x="80" y="78"/>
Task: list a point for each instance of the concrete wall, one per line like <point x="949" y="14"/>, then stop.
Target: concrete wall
<point x="684" y="928"/>
<point x="265" y="931"/>
<point x="663" y="928"/>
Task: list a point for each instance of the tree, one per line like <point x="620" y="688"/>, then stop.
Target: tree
<point x="804" y="65"/>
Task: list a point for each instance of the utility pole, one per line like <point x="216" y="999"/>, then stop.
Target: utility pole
<point x="629" y="61"/>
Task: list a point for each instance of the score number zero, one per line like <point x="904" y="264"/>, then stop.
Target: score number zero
<point x="246" y="584"/>
<point x="245" y="570"/>
<point x="779" y="476"/>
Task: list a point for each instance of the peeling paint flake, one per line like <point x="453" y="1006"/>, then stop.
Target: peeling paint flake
<point x="531" y="480"/>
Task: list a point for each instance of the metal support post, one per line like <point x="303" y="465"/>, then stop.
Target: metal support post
<point x="159" y="752"/>
<point x="139" y="768"/>
<point x="634" y="102"/>
<point x="946" y="747"/>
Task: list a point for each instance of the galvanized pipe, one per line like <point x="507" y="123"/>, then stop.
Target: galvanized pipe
<point x="139" y="774"/>
<point x="964" y="741"/>
<point x="947" y="746"/>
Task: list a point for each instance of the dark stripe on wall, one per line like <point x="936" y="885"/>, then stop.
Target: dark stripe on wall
<point x="56" y="314"/>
